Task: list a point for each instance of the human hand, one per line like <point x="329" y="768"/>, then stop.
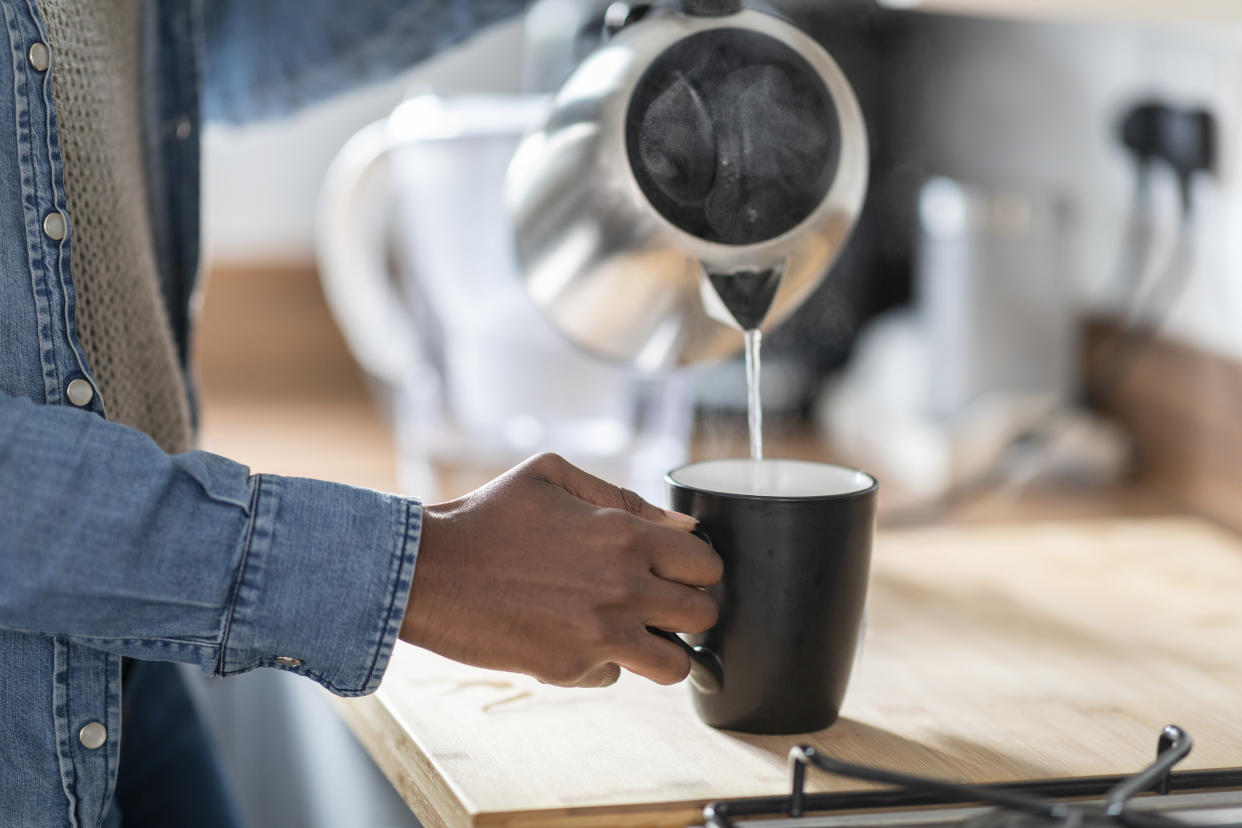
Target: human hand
<point x="552" y="572"/>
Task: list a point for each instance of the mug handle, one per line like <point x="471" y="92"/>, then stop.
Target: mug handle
<point x="706" y="671"/>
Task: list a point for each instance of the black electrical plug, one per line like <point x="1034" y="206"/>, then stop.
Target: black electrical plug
<point x="1139" y="128"/>
<point x="1155" y="132"/>
<point x="1184" y="138"/>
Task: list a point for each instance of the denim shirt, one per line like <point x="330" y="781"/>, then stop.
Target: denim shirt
<point x="110" y="548"/>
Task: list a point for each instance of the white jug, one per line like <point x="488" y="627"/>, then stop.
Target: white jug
<point x="417" y="262"/>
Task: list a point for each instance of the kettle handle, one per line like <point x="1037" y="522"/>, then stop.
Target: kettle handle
<point x="355" y="207"/>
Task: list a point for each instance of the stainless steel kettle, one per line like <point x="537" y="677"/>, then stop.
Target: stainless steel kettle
<point x="702" y="149"/>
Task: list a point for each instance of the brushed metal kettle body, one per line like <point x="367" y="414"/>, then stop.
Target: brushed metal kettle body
<point x="622" y="268"/>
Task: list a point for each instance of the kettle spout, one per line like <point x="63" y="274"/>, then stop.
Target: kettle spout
<point x="740" y="298"/>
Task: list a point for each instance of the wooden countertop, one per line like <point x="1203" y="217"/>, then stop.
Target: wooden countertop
<point x="992" y="653"/>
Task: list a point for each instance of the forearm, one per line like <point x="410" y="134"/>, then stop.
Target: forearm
<point x="107" y="540"/>
<point x="265" y="58"/>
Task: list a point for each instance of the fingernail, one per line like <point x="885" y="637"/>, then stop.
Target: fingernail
<point x="688" y="520"/>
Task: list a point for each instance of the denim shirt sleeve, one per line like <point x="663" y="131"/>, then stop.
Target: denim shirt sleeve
<point x="111" y="542"/>
<point x="268" y="57"/>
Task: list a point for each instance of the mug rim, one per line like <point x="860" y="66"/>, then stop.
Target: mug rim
<point x="868" y="490"/>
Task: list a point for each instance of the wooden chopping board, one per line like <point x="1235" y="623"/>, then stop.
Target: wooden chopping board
<point x="992" y="653"/>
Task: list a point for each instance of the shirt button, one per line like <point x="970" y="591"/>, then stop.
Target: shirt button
<point x="286" y="661"/>
<point x="182" y="127"/>
<point x="54" y="226"/>
<point x="93" y="735"/>
<point x="80" y="392"/>
<point x="39" y="56"/>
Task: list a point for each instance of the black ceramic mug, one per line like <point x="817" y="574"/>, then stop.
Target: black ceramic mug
<point x="795" y="537"/>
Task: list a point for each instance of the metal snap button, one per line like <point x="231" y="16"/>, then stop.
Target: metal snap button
<point x="93" y="735"/>
<point x="80" y="392"/>
<point x="40" y="56"/>
<point x="54" y="226"/>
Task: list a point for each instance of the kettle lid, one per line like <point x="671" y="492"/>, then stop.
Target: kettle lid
<point x="733" y="136"/>
<point x="711" y="8"/>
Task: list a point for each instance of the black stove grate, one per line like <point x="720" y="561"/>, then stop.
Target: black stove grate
<point x="1018" y="805"/>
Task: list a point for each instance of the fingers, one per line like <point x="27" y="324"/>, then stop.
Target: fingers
<point x="588" y="487"/>
<point x="626" y="642"/>
<point x="654" y="658"/>
<point x="682" y="557"/>
<point x="645" y="655"/>
<point x="628" y="564"/>
<point x="680" y="608"/>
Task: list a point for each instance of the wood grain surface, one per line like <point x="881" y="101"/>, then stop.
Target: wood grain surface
<point x="992" y="653"/>
<point x="1183" y="406"/>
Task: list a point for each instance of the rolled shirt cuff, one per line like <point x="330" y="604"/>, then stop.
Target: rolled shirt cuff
<point x="323" y="582"/>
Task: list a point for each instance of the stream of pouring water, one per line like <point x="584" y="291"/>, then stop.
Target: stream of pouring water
<point x="754" y="403"/>
<point x="747" y="296"/>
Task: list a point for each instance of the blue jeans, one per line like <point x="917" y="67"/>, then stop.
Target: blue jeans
<point x="169" y="774"/>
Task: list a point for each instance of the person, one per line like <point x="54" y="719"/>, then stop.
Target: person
<point x="123" y="549"/>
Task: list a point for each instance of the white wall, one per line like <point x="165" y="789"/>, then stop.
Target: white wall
<point x="1036" y="106"/>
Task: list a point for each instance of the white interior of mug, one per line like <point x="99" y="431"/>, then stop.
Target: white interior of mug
<point x="772" y="478"/>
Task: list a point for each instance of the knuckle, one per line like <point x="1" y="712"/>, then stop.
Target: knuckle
<point x="632" y="637"/>
<point x="596" y="631"/>
<point x="704" y="612"/>
<point x="714" y="565"/>
<point x="625" y="533"/>
<point x="708" y="565"/>
<point x="613" y="591"/>
<point x="618" y="524"/>
<point x="547" y="461"/>
<point x="608" y="579"/>
<point x="625" y="588"/>
<point x="588" y="624"/>
<point x="631" y="501"/>
<point x="636" y="585"/>
<point x="696" y="610"/>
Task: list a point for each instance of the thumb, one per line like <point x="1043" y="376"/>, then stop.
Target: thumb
<point x="557" y="470"/>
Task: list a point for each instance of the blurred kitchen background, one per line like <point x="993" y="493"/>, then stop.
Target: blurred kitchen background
<point x="1038" y="314"/>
